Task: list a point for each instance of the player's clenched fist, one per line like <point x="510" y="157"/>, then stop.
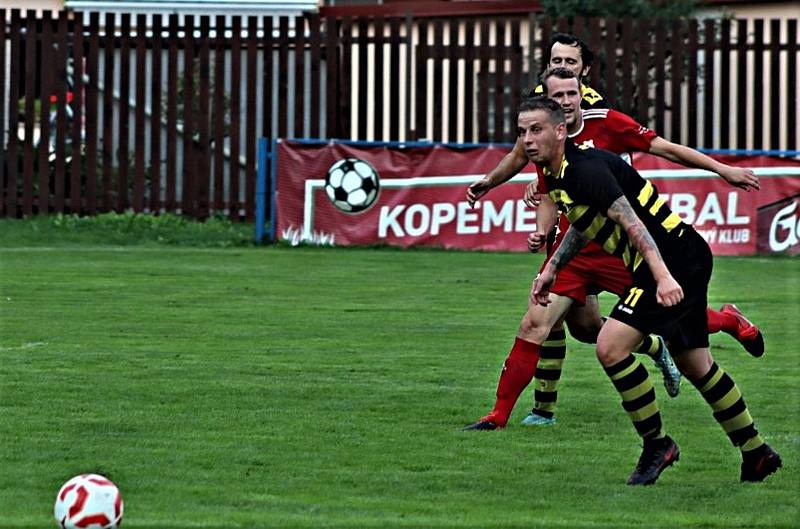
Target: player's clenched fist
<point x="477" y="190"/>
<point x="532" y="196"/>
<point x="536" y="241"/>
<point x="669" y="293"/>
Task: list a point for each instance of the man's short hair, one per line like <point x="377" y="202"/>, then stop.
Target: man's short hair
<point x="587" y="56"/>
<point x="560" y="73"/>
<point x="541" y="102"/>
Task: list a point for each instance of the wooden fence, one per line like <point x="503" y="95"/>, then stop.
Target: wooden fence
<point x="156" y="114"/>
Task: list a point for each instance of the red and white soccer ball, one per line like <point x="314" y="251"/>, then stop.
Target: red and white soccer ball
<point x="88" y="501"/>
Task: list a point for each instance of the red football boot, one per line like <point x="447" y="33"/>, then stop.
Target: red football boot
<point x="747" y="333"/>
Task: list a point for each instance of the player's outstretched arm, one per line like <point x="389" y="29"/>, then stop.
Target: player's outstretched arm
<point x="573" y="242"/>
<point x="511" y="164"/>
<point x="669" y="292"/>
<point x="740" y="177"/>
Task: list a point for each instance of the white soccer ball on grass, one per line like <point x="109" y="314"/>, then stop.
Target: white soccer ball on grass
<point x="88" y="501"/>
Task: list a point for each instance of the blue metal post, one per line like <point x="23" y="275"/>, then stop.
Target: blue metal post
<point x="261" y="189"/>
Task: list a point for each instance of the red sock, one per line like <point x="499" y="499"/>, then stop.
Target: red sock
<point x="517" y="373"/>
<point x="721" y="321"/>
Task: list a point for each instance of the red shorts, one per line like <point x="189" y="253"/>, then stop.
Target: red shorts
<point x="590" y="272"/>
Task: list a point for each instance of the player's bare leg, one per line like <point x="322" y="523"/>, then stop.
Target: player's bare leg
<point x="520" y="365"/>
<point x="539" y="319"/>
<point x="759" y="460"/>
<point x="584" y="323"/>
<point x="614" y="345"/>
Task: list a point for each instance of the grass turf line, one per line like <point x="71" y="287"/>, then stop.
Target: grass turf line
<point x="326" y="388"/>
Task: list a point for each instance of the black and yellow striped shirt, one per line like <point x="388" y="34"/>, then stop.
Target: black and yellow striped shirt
<point x="590" y="180"/>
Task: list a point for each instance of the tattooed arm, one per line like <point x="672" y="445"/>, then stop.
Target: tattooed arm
<point x="573" y="242"/>
<point x="669" y="292"/>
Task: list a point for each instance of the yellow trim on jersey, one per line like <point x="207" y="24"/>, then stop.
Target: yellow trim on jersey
<point x="564" y="164"/>
<point x="657" y="205"/>
<point x="671" y="222"/>
<point x="560" y="196"/>
<point x="628" y="255"/>
<point x="575" y="213"/>
<point x="598" y="222"/>
<point x="645" y="193"/>
<point x="610" y="245"/>
<point x="563" y="168"/>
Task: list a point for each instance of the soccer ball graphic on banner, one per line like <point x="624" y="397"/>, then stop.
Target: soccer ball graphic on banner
<point x="352" y="185"/>
<point x="88" y="501"/>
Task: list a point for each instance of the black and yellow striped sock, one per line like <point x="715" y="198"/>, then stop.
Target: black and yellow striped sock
<point x="650" y="346"/>
<point x="730" y="410"/>
<point x="548" y="372"/>
<point x="638" y="396"/>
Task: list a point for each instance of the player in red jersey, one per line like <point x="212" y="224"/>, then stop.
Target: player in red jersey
<point x="540" y="338"/>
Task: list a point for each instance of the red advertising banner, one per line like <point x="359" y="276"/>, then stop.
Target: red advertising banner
<point x="733" y="222"/>
<point x="367" y="194"/>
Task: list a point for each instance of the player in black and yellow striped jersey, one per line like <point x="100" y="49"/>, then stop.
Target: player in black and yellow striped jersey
<point x="570" y="52"/>
<point x="592" y="221"/>
<point x="608" y="202"/>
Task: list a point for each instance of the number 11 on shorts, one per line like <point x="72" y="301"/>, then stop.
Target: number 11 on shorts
<point x="633" y="297"/>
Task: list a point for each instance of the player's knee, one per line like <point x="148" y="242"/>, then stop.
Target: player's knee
<point x="533" y="330"/>
<point x="609" y="352"/>
<point x="693" y="364"/>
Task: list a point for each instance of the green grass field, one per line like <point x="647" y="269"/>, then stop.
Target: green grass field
<point x="276" y="387"/>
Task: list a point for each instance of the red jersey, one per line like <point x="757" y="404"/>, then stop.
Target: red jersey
<point x="608" y="129"/>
